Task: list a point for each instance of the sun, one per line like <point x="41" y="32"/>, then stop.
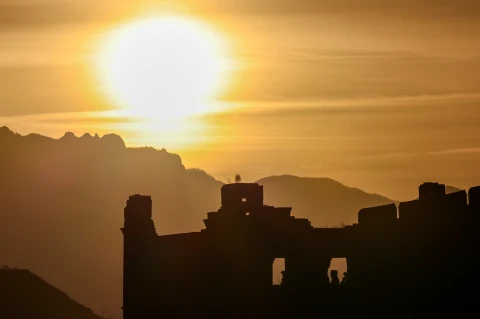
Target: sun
<point x="162" y="66"/>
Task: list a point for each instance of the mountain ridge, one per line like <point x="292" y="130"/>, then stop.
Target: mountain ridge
<point x="62" y="201"/>
<point x="310" y="194"/>
<point x="317" y="178"/>
<point x="25" y="295"/>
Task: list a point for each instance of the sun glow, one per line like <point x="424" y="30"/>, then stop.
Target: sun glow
<point x="162" y="67"/>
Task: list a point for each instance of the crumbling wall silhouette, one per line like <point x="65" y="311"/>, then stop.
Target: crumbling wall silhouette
<point x="403" y="257"/>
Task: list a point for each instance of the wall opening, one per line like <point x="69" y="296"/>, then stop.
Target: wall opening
<point x="277" y="267"/>
<point x="338" y="264"/>
<point x="244" y="200"/>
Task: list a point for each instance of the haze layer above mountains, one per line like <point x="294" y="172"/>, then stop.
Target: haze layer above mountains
<point x="62" y="201"/>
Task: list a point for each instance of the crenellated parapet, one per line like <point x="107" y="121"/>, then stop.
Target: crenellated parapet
<point x="432" y="206"/>
<point x="227" y="266"/>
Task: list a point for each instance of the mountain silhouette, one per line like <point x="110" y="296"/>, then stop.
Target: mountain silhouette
<point x="326" y="202"/>
<point x="27" y="296"/>
<point x="452" y="189"/>
<point x="62" y="201"/>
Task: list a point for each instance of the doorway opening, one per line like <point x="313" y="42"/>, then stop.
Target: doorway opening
<point x="277" y="268"/>
<point x="340" y="265"/>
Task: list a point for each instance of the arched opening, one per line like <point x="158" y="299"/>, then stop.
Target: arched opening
<point x="338" y="264"/>
<point x="278" y="266"/>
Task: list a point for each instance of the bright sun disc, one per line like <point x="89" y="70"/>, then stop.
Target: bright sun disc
<point x="165" y="67"/>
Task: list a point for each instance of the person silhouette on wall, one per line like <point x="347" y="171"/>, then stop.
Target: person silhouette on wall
<point x="334" y="276"/>
<point x="283" y="277"/>
<point x="344" y="279"/>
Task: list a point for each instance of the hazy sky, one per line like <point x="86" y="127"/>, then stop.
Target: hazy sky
<point x="379" y="94"/>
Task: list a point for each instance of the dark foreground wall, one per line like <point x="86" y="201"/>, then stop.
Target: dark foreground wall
<point x="399" y="260"/>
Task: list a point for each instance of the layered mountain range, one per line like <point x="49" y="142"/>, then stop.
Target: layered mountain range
<point x="62" y="200"/>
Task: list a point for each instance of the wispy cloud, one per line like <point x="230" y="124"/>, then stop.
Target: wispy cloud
<point x="352" y="105"/>
<point x="469" y="150"/>
<point x="412" y="156"/>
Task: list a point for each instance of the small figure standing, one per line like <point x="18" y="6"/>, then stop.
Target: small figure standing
<point x="283" y="277"/>
<point x="334" y="276"/>
<point x="344" y="279"/>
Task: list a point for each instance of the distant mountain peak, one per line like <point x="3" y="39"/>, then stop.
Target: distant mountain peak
<point x="452" y="189"/>
<point x="113" y="139"/>
<point x="87" y="135"/>
<point x="325" y="201"/>
<point x="288" y="178"/>
<point x="68" y="135"/>
<point x="5" y="131"/>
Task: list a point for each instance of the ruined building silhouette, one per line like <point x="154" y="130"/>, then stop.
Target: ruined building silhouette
<point x="423" y="254"/>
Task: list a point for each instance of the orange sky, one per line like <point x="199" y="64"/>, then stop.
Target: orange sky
<point x="381" y="95"/>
